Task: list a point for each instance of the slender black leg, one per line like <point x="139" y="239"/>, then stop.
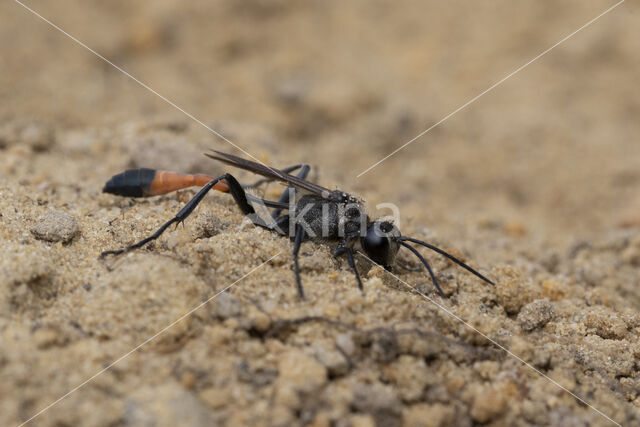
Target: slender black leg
<point x="352" y="264"/>
<point x="235" y="189"/>
<point x="299" y="238"/>
<point x="426" y="264"/>
<point x="342" y="249"/>
<point x="284" y="197"/>
<point x="267" y="203"/>
<point x="281" y="225"/>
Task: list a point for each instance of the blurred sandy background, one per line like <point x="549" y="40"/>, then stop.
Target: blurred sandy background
<point x="536" y="182"/>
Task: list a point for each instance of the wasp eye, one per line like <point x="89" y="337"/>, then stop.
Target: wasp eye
<point x="386" y="226"/>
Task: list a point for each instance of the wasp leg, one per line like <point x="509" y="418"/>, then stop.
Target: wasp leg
<point x="236" y="191"/>
<point x="342" y="249"/>
<point x="284" y="197"/>
<point x="299" y="238"/>
<point x="267" y="203"/>
<point x="352" y="264"/>
<point x="279" y="225"/>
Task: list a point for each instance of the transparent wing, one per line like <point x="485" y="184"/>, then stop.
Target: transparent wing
<point x="273" y="173"/>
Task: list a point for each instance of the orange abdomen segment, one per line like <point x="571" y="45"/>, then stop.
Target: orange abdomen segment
<point x="165" y="182"/>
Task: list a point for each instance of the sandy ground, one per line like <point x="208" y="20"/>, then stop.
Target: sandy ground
<point x="537" y="184"/>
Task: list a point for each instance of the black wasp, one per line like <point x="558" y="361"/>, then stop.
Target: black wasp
<point x="318" y="214"/>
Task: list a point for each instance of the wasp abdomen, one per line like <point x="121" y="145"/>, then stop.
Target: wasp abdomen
<point x="150" y="182"/>
<point x="131" y="183"/>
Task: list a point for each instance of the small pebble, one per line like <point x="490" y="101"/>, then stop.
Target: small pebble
<point x="228" y="305"/>
<point x="259" y="320"/>
<point x="56" y="227"/>
<point x="513" y="289"/>
<point x="488" y="404"/>
<point x="346" y="344"/>
<point x="536" y="314"/>
<point x="605" y="323"/>
<point x="333" y="360"/>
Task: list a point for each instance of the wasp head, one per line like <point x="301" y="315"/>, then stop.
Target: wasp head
<point x="381" y="243"/>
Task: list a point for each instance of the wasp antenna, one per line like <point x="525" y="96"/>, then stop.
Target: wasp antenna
<point x="426" y="264"/>
<point x="445" y="254"/>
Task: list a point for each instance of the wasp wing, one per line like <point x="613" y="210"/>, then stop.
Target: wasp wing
<point x="272" y="173"/>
